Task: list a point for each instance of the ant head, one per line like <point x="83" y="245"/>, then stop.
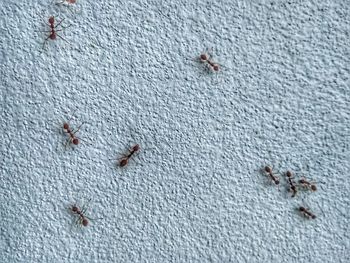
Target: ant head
<point x="216" y="67"/>
<point x="302" y="209"/>
<point x="289" y="173"/>
<point x="51" y="20"/>
<point x="268" y="169"/>
<point x="203" y="57"/>
<point x="277" y="182"/>
<point x="85" y="222"/>
<point x="75" y="141"/>
<point x="313" y="188"/>
<point x="313" y="217"/>
<point x="66" y="126"/>
<point x="123" y="162"/>
<point x="74" y="208"/>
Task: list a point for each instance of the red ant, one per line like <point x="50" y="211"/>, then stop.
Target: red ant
<point x="306" y="212"/>
<point x="206" y="58"/>
<point x="274" y="178"/>
<point x="291" y="183"/>
<point x="125" y="159"/>
<point x="67" y="2"/>
<point x="53" y="32"/>
<point x="83" y="220"/>
<point x="72" y="138"/>
<point x="307" y="185"/>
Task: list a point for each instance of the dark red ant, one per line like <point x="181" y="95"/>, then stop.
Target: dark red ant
<point x="307" y="185"/>
<point x="83" y="220"/>
<point x="72" y="138"/>
<point x="125" y="159"/>
<point x="53" y="32"/>
<point x="306" y="212"/>
<point x="206" y="58"/>
<point x="293" y="187"/>
<point x="274" y="178"/>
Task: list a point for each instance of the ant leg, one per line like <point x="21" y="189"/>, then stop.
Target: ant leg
<point x="45" y="42"/>
<point x="62" y="38"/>
<point x="71" y="117"/>
<point x="45" y="31"/>
<point x="69" y="140"/>
<point x="63" y="27"/>
<point x="78" y="128"/>
<point x="59" y="3"/>
<point x="59" y="23"/>
<point x="85" y="206"/>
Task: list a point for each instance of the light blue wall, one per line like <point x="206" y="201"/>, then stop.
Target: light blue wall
<point x="195" y="192"/>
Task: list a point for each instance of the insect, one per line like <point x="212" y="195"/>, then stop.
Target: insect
<point x="82" y="219"/>
<point x="66" y="2"/>
<point x="307" y="185"/>
<point x="53" y="30"/>
<point x="72" y="137"/>
<point x="274" y="178"/>
<point x="292" y="185"/>
<point x="207" y="58"/>
<point x="306" y="212"/>
<point x="125" y="159"/>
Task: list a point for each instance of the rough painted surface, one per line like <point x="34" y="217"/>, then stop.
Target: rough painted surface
<point x="195" y="193"/>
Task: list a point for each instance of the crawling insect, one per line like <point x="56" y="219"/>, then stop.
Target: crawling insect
<point x="125" y="159"/>
<point x="307" y="185"/>
<point x="66" y="2"/>
<point x="82" y="218"/>
<point x="274" y="178"/>
<point x="72" y="137"/>
<point x="207" y="58"/>
<point x="306" y="212"/>
<point x="292" y="185"/>
<point x="53" y="30"/>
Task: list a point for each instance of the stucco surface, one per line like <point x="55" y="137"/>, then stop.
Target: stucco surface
<point x="195" y="192"/>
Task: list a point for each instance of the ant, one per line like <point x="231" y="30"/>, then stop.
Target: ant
<point x="206" y="58"/>
<point x="291" y="183"/>
<point x="306" y="212"/>
<point x="125" y="159"/>
<point x="82" y="219"/>
<point x="53" y="32"/>
<point x="274" y="178"/>
<point x="307" y="185"/>
<point x="66" y="1"/>
<point x="72" y="138"/>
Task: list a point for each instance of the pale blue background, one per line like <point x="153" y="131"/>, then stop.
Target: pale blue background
<point x="195" y="192"/>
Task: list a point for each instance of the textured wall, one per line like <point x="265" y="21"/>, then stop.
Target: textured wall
<point x="195" y="192"/>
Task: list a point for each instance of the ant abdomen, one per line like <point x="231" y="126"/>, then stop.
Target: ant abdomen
<point x="123" y="162"/>
<point x="85" y="222"/>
